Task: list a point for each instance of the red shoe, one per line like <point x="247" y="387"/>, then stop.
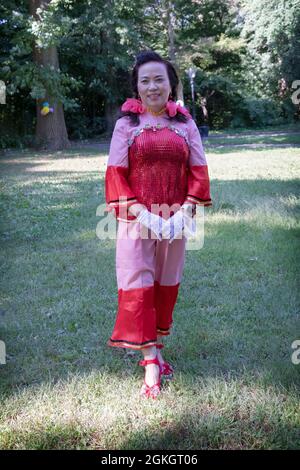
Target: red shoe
<point x="165" y="368"/>
<point x="154" y="390"/>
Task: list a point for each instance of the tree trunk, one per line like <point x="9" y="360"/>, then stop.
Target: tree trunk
<point x="172" y="54"/>
<point x="51" y="132"/>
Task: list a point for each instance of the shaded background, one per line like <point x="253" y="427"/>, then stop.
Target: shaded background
<point x="77" y="55"/>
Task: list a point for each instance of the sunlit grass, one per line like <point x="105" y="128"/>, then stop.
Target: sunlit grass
<point x="233" y="140"/>
<point x="235" y="320"/>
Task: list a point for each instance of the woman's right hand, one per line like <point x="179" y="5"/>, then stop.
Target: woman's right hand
<point x="152" y="221"/>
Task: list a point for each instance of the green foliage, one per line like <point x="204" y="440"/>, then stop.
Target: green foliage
<point x="14" y="141"/>
<point x="240" y="50"/>
<point x="83" y="127"/>
<point x="227" y="54"/>
<point x="51" y="26"/>
<point x="223" y="99"/>
<point x="262" y="112"/>
<point x="271" y="31"/>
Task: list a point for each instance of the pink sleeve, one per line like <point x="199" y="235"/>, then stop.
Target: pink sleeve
<point x="118" y="151"/>
<point x="118" y="194"/>
<point x="198" y="179"/>
<point x="197" y="155"/>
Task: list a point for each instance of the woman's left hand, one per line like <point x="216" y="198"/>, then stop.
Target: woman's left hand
<point x="173" y="226"/>
<point x="181" y="221"/>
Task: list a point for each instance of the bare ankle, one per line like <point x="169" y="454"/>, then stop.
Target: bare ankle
<point x="149" y="353"/>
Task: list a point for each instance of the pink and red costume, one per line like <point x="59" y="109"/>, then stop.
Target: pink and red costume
<point x="156" y="162"/>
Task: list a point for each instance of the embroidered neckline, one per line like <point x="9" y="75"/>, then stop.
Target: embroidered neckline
<point x="156" y="127"/>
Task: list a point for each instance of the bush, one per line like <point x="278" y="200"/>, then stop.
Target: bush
<point x="15" y="141"/>
<point x="82" y="127"/>
<point x="262" y="112"/>
<point x="223" y="100"/>
<point x="227" y="106"/>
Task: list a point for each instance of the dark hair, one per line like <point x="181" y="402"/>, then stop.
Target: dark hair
<point x="151" y="56"/>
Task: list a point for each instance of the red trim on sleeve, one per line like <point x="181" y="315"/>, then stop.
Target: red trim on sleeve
<point x="118" y="193"/>
<point x="116" y="184"/>
<point x="198" y="185"/>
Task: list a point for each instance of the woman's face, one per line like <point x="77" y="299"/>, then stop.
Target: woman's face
<point x="153" y="85"/>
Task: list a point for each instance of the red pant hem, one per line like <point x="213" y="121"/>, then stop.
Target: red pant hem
<point x="163" y="332"/>
<point x="124" y="344"/>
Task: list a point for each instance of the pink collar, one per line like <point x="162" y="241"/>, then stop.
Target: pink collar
<point x="135" y="106"/>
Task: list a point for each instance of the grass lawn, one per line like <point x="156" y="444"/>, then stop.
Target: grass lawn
<point x="236" y="317"/>
<point x="291" y="127"/>
<point x="279" y="139"/>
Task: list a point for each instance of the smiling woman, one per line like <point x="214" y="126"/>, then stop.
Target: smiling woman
<point x="156" y="175"/>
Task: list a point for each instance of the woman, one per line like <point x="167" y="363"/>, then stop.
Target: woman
<point x="156" y="161"/>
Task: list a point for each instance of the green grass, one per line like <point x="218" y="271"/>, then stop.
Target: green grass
<point x="279" y="139"/>
<point x="292" y="127"/>
<point x="235" y="320"/>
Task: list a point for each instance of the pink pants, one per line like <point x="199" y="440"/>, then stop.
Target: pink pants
<point x="149" y="273"/>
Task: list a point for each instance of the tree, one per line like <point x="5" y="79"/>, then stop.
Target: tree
<point x="51" y="131"/>
<point x="79" y="54"/>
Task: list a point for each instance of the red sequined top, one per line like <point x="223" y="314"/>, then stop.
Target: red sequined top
<point x="157" y="162"/>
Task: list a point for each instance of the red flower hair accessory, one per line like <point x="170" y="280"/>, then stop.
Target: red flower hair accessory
<point x="133" y="105"/>
<point x="173" y="108"/>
